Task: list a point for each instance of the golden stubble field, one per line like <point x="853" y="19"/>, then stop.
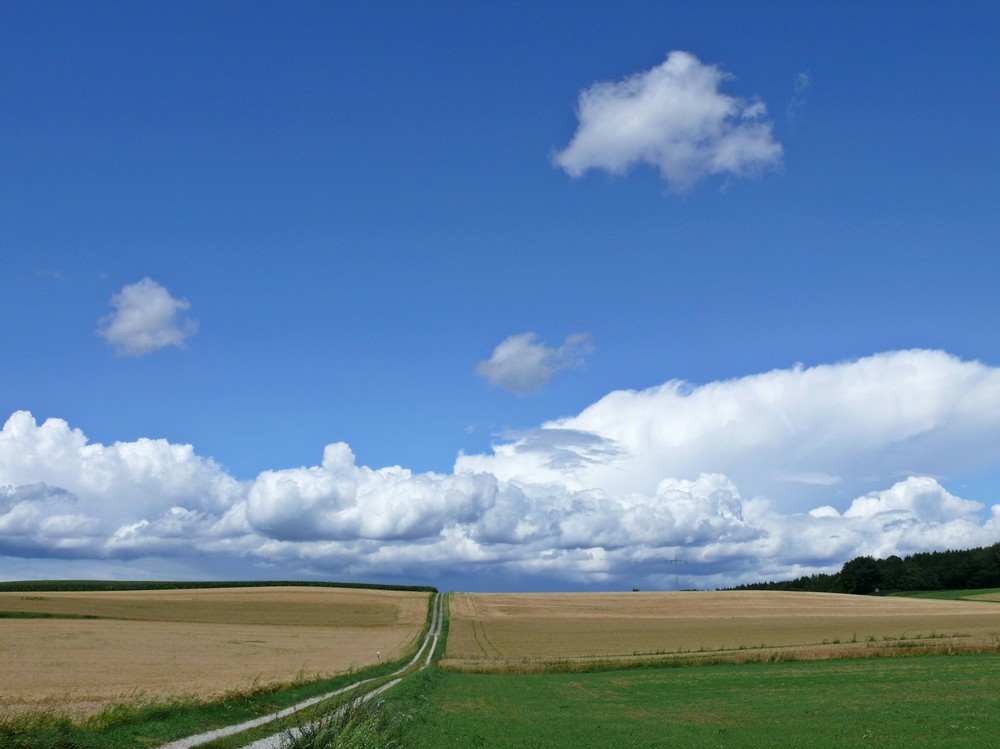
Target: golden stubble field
<point x="198" y="642"/>
<point x="499" y="630"/>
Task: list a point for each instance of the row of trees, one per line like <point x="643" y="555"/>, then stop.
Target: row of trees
<point x="933" y="570"/>
<point x="48" y="586"/>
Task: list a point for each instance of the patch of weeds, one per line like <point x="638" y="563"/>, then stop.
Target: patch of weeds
<point x="355" y="724"/>
<point x="37" y="731"/>
<point x="138" y="710"/>
<point x="43" y="615"/>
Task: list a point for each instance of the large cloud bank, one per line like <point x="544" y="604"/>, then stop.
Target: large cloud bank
<point x="771" y="475"/>
<point x="673" y="117"/>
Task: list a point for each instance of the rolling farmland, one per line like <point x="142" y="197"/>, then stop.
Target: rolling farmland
<point x="91" y="649"/>
<point x="573" y="670"/>
<point x="76" y="652"/>
<point x="495" y="631"/>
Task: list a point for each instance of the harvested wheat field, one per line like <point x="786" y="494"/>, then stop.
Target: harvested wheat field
<point x="196" y="642"/>
<point x="498" y="630"/>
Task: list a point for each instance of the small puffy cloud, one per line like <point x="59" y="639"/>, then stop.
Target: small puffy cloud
<point x="146" y="318"/>
<point x="675" y="118"/>
<point x="522" y="364"/>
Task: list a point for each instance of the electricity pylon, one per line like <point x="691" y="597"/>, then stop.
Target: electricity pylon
<point x="677" y="575"/>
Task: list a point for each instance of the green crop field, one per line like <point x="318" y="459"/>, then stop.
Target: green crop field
<point x="983" y="594"/>
<point x="910" y="703"/>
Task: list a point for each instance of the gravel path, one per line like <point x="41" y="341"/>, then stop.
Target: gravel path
<point x="425" y="652"/>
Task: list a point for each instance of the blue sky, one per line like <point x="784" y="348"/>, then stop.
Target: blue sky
<point x="453" y="236"/>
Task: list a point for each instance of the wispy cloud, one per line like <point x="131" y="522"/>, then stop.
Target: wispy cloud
<point x="675" y="118"/>
<point x="522" y="364"/>
<point x="146" y="318"/>
<point x="798" y="101"/>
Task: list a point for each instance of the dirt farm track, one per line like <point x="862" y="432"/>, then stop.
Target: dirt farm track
<point x="202" y="642"/>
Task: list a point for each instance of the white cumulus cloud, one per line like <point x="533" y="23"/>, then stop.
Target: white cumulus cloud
<point x="797" y="436"/>
<point x="921" y="497"/>
<point x="768" y="476"/>
<point x="342" y="501"/>
<point x="146" y="318"/>
<point x="522" y="364"/>
<point x="675" y="118"/>
<point x="50" y="473"/>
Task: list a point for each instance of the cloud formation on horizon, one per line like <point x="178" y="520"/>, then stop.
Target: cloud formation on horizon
<point x="146" y="318"/>
<point x="673" y="117"/>
<point x="595" y="500"/>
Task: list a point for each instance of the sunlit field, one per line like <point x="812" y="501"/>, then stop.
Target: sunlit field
<point x="198" y="643"/>
<point x="894" y="703"/>
<point x="497" y="631"/>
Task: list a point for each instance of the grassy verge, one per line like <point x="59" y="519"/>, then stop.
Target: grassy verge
<point x="382" y="723"/>
<point x="949" y="595"/>
<point x="355" y="724"/>
<point x="903" y="703"/>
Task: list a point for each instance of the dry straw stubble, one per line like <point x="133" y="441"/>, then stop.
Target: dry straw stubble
<point x="199" y="643"/>
<point x="523" y="631"/>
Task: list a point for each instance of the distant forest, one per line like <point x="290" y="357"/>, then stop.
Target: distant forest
<point x="933" y="570"/>
<point x="49" y="586"/>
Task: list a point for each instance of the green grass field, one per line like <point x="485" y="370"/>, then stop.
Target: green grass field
<point x="980" y="594"/>
<point x="910" y="703"/>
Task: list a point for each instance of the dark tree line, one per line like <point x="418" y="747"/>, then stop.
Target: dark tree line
<point x="48" y="586"/>
<point x="932" y="570"/>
